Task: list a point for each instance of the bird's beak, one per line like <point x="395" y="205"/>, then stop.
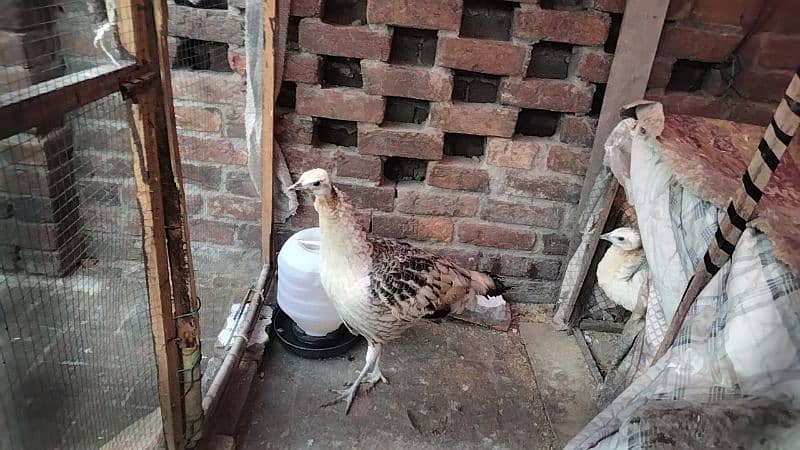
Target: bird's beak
<point x="294" y="186"/>
<point x="604" y="237"/>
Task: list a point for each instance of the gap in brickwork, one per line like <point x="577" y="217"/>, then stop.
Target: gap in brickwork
<point x="407" y="110"/>
<point x="293" y="34"/>
<point x="487" y="19"/>
<point x="550" y="60"/>
<point x="405" y="169"/>
<point x="337" y="132"/>
<point x="345" y="12"/>
<point x="413" y="46"/>
<point x="613" y="33"/>
<point x="339" y="71"/>
<point x="203" y="4"/>
<point x="688" y="76"/>
<point x="475" y="87"/>
<point x="563" y="5"/>
<point x="537" y="122"/>
<point x="597" y="99"/>
<point x="201" y="55"/>
<point x="287" y="95"/>
<point x="464" y="145"/>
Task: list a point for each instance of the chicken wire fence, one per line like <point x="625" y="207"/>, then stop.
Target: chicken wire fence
<point x="77" y="345"/>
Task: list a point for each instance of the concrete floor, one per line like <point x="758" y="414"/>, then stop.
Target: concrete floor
<point x="452" y="386"/>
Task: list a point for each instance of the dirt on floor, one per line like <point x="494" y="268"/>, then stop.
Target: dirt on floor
<point x="452" y="386"/>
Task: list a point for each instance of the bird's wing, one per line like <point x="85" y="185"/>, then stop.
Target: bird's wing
<point x="414" y="283"/>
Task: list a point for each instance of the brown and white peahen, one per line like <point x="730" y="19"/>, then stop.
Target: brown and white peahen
<point x="623" y="269"/>
<point x="380" y="287"/>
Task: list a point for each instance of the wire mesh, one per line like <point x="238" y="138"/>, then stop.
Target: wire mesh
<point x="206" y="39"/>
<point x="78" y="364"/>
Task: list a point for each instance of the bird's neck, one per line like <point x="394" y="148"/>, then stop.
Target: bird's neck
<point x="341" y="234"/>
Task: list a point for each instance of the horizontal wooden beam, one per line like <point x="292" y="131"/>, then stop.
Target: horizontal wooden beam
<point x="46" y="103"/>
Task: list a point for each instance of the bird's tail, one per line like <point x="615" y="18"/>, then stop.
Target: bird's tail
<point x="487" y="284"/>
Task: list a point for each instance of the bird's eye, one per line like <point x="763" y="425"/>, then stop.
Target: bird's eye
<point x="316" y="183"/>
<point x="619" y="238"/>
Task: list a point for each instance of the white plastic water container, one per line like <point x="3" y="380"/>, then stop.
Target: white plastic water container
<point x="300" y="292"/>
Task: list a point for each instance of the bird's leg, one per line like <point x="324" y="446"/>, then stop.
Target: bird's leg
<point x="350" y="393"/>
<point x="372" y="378"/>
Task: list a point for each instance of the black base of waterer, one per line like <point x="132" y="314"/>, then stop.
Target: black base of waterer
<point x="298" y="342"/>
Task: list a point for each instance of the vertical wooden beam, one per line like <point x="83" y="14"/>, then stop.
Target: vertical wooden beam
<point x="639" y="35"/>
<point x="135" y="34"/>
<point x="267" y="130"/>
<point x="143" y="32"/>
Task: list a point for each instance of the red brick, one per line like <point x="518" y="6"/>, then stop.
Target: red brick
<point x="661" y="72"/>
<point x="101" y="165"/>
<point x="457" y="173"/>
<point x="482" y="119"/>
<point x="538" y="186"/>
<point x="573" y="27"/>
<point x="214" y="25"/>
<point x="406" y="81"/>
<point x="250" y="235"/>
<point x="433" y="15"/>
<point x="578" y="130"/>
<point x="305" y="216"/>
<point x="211" y="150"/>
<point x="679" y="9"/>
<point x="479" y="55"/>
<point x="412" y="199"/>
<point x="594" y="65"/>
<point x="234" y="123"/>
<point x="507" y="265"/>
<point x="419" y="228"/>
<point x="239" y="182"/>
<point x="752" y="112"/>
<point x="763" y="85"/>
<point x="690" y="103"/>
<point x="783" y="19"/>
<point x="237" y="60"/>
<point x="521" y="212"/>
<point x="301" y="158"/>
<point x="306" y="8"/>
<point x="568" y="160"/>
<point x="555" y="244"/>
<point x="370" y="197"/>
<point x="204" y="230"/>
<point x="208" y="177"/>
<point x="354" y="165"/>
<point x="294" y="128"/>
<point x="518" y="153"/>
<point x="731" y="12"/>
<point x="403" y="140"/>
<point x="552" y="95"/>
<point x="236" y="208"/>
<point x="545" y="269"/>
<point x="198" y="118"/>
<point x="707" y="43"/>
<point x="344" y="40"/>
<point x="339" y="103"/>
<point x="12" y="50"/>
<point x="497" y="236"/>
<point x="302" y="68"/>
<point x="466" y="258"/>
<point x="208" y="87"/>
<point x="777" y="51"/>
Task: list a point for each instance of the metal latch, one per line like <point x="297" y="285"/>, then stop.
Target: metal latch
<point x="133" y="87"/>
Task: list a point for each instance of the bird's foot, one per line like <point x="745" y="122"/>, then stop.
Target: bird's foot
<point x="373" y="378"/>
<point x="344" y="394"/>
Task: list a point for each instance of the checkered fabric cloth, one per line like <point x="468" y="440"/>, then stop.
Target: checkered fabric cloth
<point x="740" y="343"/>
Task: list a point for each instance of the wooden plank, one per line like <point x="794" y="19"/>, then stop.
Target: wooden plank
<point x="630" y="71"/>
<point x="588" y="356"/>
<point x="137" y="17"/>
<point x="47" y="102"/>
<point x="184" y="291"/>
<point x="267" y="130"/>
<point x="605" y="326"/>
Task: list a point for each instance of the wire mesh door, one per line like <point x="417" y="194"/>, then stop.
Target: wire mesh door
<point x="84" y="362"/>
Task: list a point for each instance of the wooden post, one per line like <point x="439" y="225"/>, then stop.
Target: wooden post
<point x="173" y="299"/>
<point x="267" y="130"/>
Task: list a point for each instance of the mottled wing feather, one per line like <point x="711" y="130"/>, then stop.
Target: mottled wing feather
<point x="414" y="283"/>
